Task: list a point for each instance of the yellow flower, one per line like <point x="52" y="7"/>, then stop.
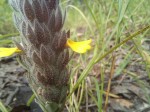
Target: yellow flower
<point x="79" y="47"/>
<point x="4" y="52"/>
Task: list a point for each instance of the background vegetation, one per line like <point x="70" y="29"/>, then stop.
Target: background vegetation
<point x="6" y="23"/>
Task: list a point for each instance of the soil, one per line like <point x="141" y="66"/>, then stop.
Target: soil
<point x="14" y="88"/>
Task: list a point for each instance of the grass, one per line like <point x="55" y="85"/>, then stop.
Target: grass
<point x="6" y="23"/>
<point x="2" y="107"/>
<point x="110" y="24"/>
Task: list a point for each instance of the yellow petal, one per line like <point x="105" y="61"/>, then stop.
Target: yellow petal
<point x="4" y="52"/>
<point x="79" y="47"/>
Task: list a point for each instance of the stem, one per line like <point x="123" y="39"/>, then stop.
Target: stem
<point x="121" y="43"/>
<point x="31" y="100"/>
<point x="109" y="84"/>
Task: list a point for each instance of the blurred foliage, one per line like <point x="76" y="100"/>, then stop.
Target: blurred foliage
<point x="6" y="23"/>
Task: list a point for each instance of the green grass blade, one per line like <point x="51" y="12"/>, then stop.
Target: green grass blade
<point x="121" y="43"/>
<point x="31" y="100"/>
<point x="9" y="35"/>
<point x="84" y="17"/>
<point x="3" y="108"/>
<point x="98" y="95"/>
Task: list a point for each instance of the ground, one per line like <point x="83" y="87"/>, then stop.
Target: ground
<point x="14" y="89"/>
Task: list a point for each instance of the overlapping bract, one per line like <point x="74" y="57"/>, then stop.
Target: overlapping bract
<point x="40" y="23"/>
